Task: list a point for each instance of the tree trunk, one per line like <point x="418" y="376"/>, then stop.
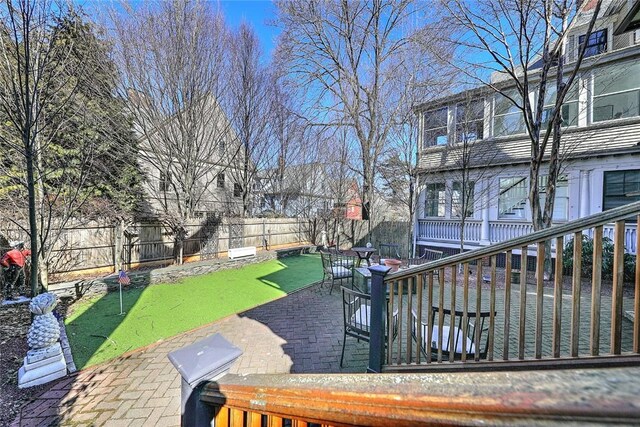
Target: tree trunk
<point x="33" y="225"/>
<point x="43" y="272"/>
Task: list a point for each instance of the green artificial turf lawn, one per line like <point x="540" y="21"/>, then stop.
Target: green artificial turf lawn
<point x="98" y="333"/>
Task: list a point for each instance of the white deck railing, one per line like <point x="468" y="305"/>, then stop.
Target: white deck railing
<point x="448" y="230"/>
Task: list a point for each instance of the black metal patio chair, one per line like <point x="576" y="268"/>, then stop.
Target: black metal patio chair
<point x="337" y="267"/>
<point x="356" y="310"/>
<point x="456" y="321"/>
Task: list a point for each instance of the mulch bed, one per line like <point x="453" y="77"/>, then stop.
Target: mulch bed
<point x="14" y="325"/>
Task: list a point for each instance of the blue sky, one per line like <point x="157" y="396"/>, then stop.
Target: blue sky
<point x="256" y="12"/>
<point x="259" y="13"/>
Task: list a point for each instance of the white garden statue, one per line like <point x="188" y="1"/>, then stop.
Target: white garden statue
<point x="45" y="330"/>
<point x="45" y="361"/>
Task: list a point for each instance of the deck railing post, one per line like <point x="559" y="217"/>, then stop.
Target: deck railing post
<point x="378" y="315"/>
<point x="205" y="360"/>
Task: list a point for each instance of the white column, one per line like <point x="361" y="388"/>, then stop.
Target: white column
<point x="484" y="230"/>
<point x="448" y="188"/>
<point x="585" y="193"/>
<point x="584" y="81"/>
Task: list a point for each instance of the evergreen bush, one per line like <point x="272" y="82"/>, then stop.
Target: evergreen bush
<point x="607" y="259"/>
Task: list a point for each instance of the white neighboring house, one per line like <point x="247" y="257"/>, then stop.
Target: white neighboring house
<point x="213" y="187"/>
<point x="303" y="190"/>
<point x="601" y="143"/>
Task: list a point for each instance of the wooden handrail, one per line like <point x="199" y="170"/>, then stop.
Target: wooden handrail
<point x="534" y="339"/>
<point x="597" y="219"/>
<point x="597" y="396"/>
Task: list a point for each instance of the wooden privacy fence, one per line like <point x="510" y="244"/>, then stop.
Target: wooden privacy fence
<point x="524" y="323"/>
<point x="103" y="247"/>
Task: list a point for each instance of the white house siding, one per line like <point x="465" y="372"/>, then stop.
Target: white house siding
<point x="585" y="197"/>
<point x="590" y="148"/>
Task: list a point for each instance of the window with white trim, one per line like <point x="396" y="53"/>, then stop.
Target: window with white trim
<point x="434" y="200"/>
<point x="507" y="118"/>
<point x="616" y="91"/>
<point x="620" y="188"/>
<point x="165" y="181"/>
<point x="561" y="199"/>
<point x="435" y="127"/>
<point x="470" y="121"/>
<point x="458" y="199"/>
<point x="596" y="44"/>
<point x="569" y="109"/>
<point x="237" y="190"/>
<point x="512" y="199"/>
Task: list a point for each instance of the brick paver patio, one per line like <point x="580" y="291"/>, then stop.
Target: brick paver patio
<point x="298" y="333"/>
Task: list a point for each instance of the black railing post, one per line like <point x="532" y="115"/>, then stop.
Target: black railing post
<point x="378" y="315"/>
<point x="202" y="361"/>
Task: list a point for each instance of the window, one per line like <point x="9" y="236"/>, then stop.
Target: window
<point x="457" y="200"/>
<point x="435" y="127"/>
<point x="434" y="200"/>
<point x="620" y="188"/>
<point x="508" y="119"/>
<point x="470" y="121"/>
<point x="221" y="146"/>
<point x="569" y="109"/>
<point x="616" y="92"/>
<point x="596" y="44"/>
<point x="237" y="190"/>
<point x="165" y="181"/>
<point x="561" y="200"/>
<point x="513" y="198"/>
<point x="220" y="180"/>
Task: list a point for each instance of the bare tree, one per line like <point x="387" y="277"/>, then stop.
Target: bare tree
<point x="398" y="171"/>
<point x="347" y="56"/>
<point x="250" y="101"/>
<point x="285" y="173"/>
<point x="525" y="42"/>
<point x="52" y="144"/>
<point x="172" y="57"/>
<point x="465" y="153"/>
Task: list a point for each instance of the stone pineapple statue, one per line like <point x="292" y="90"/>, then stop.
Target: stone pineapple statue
<point x="45" y="330"/>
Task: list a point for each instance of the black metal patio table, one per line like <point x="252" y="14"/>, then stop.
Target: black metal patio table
<point x="363" y="253"/>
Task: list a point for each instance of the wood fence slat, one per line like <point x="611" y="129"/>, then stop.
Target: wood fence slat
<point x="465" y="308"/>
<point x="618" y="283"/>
<point x="222" y="416"/>
<point x="539" y="297"/>
<point x="507" y="305"/>
<point x="399" y="284"/>
<point x="492" y="307"/>
<point x="476" y="355"/>
<point x="255" y="419"/>
<point x="418" y="326"/>
<point x="237" y="417"/>
<point x="273" y="421"/>
<point x="410" y="287"/>
<point x="557" y="298"/>
<point x="523" y="301"/>
<point x="390" y="309"/>
<point x="440" y="312"/>
<point x="429" y="314"/>
<point x="636" y="301"/>
<point x="575" y="293"/>
<point x="596" y="282"/>
<point x="452" y="338"/>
